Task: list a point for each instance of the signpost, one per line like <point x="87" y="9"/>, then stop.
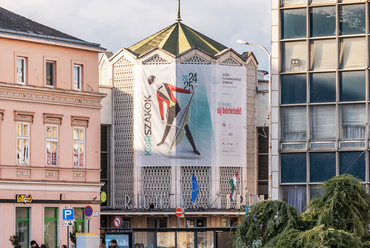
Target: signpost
<point x="88" y="212"/>
<point x="178" y="214"/>
<point x="68" y="217"/>
<point x="118" y="221"/>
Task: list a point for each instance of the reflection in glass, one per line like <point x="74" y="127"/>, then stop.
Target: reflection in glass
<point x="323" y="55"/>
<point x="352" y="19"/>
<point x="293" y="89"/>
<point x="185" y="239"/>
<point x="352" y="163"/>
<point x="293" y="167"/>
<point x="205" y="239"/>
<point x="352" y="52"/>
<point x="294" y="56"/>
<point x="352" y="86"/>
<point x="322" y="166"/>
<point x="292" y="2"/>
<point x="166" y="239"/>
<point x="323" y="123"/>
<point x="323" y="1"/>
<point x="353" y="121"/>
<point x="293" y="123"/>
<point x="295" y="196"/>
<point x="322" y="21"/>
<point x="322" y="87"/>
<point x="293" y="23"/>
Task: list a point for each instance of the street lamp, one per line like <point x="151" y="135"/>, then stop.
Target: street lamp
<point x="269" y="116"/>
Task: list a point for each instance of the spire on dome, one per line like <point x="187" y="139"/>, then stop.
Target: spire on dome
<point x="178" y="12"/>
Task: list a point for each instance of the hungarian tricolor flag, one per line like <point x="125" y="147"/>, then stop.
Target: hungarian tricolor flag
<point x="233" y="185"/>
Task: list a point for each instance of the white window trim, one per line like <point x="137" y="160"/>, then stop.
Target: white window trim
<point x="23" y="138"/>
<point x="24" y="70"/>
<point x="84" y="148"/>
<point x="51" y="140"/>
<point x="79" y="77"/>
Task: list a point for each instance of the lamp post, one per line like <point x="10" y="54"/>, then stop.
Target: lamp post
<point x="269" y="116"/>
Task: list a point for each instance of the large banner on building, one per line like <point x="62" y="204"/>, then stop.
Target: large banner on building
<point x="188" y="115"/>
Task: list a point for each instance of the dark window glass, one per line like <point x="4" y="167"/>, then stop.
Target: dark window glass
<point x="352" y="86"/>
<point x="293" y="23"/>
<point x="315" y="190"/>
<point x="322" y="87"/>
<point x="352" y="19"/>
<point x="322" y="21"/>
<point x="105" y="161"/>
<point x="352" y="163"/>
<point x="295" y="196"/>
<point x="322" y="166"/>
<point x="50" y="73"/>
<point x="293" y="89"/>
<point x="293" y="167"/>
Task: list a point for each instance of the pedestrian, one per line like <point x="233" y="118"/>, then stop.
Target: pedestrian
<point x="34" y="244"/>
<point x="102" y="246"/>
<point x="64" y="246"/>
<point x="113" y="243"/>
<point x="43" y="246"/>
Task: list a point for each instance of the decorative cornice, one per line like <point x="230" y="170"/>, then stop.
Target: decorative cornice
<point x="23" y="116"/>
<point x="23" y="93"/>
<point x="53" y="118"/>
<point x="80" y="121"/>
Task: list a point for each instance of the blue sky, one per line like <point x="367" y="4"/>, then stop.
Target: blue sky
<point x="121" y="23"/>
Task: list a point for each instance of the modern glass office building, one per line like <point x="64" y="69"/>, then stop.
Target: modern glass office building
<point x="320" y="95"/>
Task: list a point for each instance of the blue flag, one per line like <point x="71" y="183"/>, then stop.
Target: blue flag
<point x="195" y="189"/>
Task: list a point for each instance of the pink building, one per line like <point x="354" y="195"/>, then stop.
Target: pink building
<point x="49" y="132"/>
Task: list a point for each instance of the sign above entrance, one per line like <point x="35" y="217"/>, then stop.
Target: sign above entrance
<point x="179" y="212"/>
<point x="23" y="198"/>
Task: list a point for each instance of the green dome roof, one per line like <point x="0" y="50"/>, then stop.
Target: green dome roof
<point x="177" y="39"/>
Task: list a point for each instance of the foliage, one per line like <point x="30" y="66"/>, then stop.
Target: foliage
<point x="264" y="221"/>
<point x="72" y="236"/>
<point x="14" y="240"/>
<point x="339" y="218"/>
<point x="345" y="206"/>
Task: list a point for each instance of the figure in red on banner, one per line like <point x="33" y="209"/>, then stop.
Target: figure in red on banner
<point x="165" y="94"/>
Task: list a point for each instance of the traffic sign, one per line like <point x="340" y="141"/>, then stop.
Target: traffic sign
<point x="67" y="222"/>
<point x="88" y="211"/>
<point x="68" y="214"/>
<point x="117" y="221"/>
<point x="179" y="212"/>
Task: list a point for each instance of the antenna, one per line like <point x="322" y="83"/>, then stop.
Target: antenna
<point x="178" y="12"/>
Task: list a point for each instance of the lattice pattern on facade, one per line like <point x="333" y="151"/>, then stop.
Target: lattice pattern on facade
<point x="156" y="60"/>
<point x="104" y="74"/>
<point x="230" y="62"/>
<point x="123" y="131"/>
<point x="156" y="183"/>
<point x="196" y="60"/>
<point x="226" y="174"/>
<point x="203" y="176"/>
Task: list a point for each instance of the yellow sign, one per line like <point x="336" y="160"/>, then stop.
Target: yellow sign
<point x="103" y="196"/>
<point x="24" y="199"/>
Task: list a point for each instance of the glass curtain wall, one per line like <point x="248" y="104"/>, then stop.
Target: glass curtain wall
<point x="324" y="94"/>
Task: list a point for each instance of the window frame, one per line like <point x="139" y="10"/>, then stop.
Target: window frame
<point x="53" y="76"/>
<point x="51" y="140"/>
<point x="28" y="223"/>
<point x="79" y="82"/>
<point x="79" y="141"/>
<point x="22" y="137"/>
<point x="24" y="64"/>
<point x="56" y="224"/>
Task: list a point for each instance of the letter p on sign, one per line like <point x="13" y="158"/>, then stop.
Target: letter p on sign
<point x="68" y="214"/>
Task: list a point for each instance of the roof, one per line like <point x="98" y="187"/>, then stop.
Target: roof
<point x="177" y="39"/>
<point x="14" y="24"/>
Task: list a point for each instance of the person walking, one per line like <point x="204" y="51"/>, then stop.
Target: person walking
<point x="113" y="244"/>
<point x="34" y="244"/>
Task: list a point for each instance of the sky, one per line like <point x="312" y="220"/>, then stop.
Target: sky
<point x="116" y="24"/>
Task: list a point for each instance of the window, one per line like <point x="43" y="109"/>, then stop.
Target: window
<point x="322" y="166"/>
<point x="323" y="123"/>
<point x="352" y="19"/>
<point x="322" y="55"/>
<point x="352" y="86"/>
<point x="51" y="227"/>
<point x="105" y="160"/>
<point x="322" y="87"/>
<point x="293" y="23"/>
<point x="77" y="77"/>
<point x="262" y="189"/>
<point x="79" y="221"/>
<point x="352" y="163"/>
<point x="293" y="89"/>
<point x="50" y="73"/>
<point x="353" y="121"/>
<point x="22" y="225"/>
<point x="293" y="167"/>
<point x="292" y="2"/>
<point x="78" y="147"/>
<point x="294" y="123"/>
<point x="51" y="145"/>
<point x="352" y="52"/>
<point x="23" y="141"/>
<point x="21" y="70"/>
<point x="322" y="21"/>
<point x="295" y="196"/>
<point x="294" y="56"/>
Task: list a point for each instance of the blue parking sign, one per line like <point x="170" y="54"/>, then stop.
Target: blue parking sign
<point x="68" y="214"/>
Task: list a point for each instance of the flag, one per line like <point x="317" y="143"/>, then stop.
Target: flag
<point x="195" y="189"/>
<point x="233" y="185"/>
